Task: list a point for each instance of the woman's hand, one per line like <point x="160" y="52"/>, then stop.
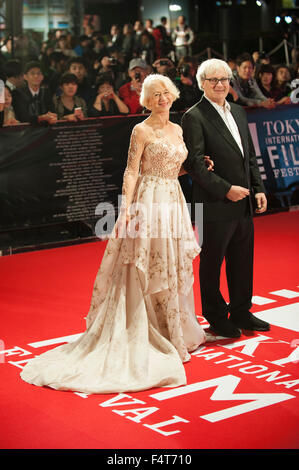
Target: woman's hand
<point x="70" y="117"/>
<point x="209" y="163"/>
<point x="79" y="114"/>
<point x="11" y="122"/>
<point x="121" y="224"/>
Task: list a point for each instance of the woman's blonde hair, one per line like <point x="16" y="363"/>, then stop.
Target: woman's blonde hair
<point x="150" y="81"/>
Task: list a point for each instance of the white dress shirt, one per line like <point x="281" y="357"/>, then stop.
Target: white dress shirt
<point x="229" y="121"/>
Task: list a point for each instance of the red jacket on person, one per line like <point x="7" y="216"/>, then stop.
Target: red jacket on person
<point x="131" y="98"/>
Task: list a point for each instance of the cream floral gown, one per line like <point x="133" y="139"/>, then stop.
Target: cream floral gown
<point x="141" y="325"/>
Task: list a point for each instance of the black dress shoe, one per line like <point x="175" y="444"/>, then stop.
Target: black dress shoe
<point x="251" y="323"/>
<point x="225" y="328"/>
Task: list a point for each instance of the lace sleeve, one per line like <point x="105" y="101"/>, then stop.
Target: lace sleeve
<point x="132" y="169"/>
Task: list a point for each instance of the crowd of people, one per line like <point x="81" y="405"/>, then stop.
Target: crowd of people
<point x="93" y="76"/>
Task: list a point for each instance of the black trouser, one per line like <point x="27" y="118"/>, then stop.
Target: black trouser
<point x="232" y="240"/>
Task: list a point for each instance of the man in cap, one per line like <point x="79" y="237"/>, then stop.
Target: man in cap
<point x="129" y="93"/>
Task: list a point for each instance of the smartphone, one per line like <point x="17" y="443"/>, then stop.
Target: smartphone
<point x="2" y="93"/>
<point x="77" y="110"/>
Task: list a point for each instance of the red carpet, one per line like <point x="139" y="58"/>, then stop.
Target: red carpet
<point x="241" y="394"/>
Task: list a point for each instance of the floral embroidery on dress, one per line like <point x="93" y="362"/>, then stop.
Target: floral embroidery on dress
<point x="141" y="324"/>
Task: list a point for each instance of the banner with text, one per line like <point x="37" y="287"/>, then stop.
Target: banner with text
<point x="61" y="173"/>
<point x="275" y="136"/>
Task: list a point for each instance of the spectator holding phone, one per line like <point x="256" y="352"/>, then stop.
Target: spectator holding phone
<point x="79" y="67"/>
<point x="9" y="118"/>
<point x="107" y="102"/>
<point x="68" y="105"/>
<point x="129" y="93"/>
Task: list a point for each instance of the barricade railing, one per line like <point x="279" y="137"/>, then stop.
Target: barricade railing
<point x="52" y="178"/>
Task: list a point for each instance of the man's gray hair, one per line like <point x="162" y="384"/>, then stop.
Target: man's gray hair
<point x="210" y="66"/>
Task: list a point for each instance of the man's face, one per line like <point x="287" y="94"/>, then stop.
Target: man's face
<point x="141" y="74"/>
<point x="245" y="70"/>
<point x="78" y="70"/>
<point x="34" y="77"/>
<point x="216" y="92"/>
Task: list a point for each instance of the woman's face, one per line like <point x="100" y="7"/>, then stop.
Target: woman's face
<point x="105" y="89"/>
<point x="266" y="78"/>
<point x="283" y="75"/>
<point x="160" y="98"/>
<point x="69" y="89"/>
<point x="8" y="98"/>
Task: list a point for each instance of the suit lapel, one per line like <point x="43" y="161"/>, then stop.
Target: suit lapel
<point x="216" y="120"/>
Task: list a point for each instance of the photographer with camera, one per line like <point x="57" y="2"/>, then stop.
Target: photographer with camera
<point x="112" y="66"/>
<point x="166" y="67"/>
<point x="187" y="83"/>
<point x="129" y="93"/>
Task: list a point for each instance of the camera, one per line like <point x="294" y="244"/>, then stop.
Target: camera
<point x="185" y="70"/>
<point x="137" y="76"/>
<point x="112" y="61"/>
<point x="164" y="62"/>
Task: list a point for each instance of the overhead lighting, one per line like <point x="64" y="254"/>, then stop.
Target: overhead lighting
<point x="175" y="7"/>
<point x="277" y="19"/>
<point x="288" y="19"/>
<point x="259" y="4"/>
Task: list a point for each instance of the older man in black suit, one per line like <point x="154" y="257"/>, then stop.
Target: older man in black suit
<point x="216" y="128"/>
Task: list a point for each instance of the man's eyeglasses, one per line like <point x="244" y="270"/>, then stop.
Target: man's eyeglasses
<point x="215" y="81"/>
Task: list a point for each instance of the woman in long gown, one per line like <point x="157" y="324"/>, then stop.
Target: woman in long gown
<point x="141" y="326"/>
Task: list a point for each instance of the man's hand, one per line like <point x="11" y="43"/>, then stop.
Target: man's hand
<point x="237" y="193"/>
<point x="209" y="163"/>
<point x="233" y="93"/>
<point x="51" y="118"/>
<point x="268" y="103"/>
<point x="261" y="202"/>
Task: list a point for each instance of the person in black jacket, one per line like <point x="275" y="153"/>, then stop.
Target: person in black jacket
<point x="216" y="128"/>
<point x="78" y="66"/>
<point x="33" y="103"/>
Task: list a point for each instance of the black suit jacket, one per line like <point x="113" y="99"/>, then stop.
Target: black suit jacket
<point x="205" y="133"/>
<point x="27" y="108"/>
